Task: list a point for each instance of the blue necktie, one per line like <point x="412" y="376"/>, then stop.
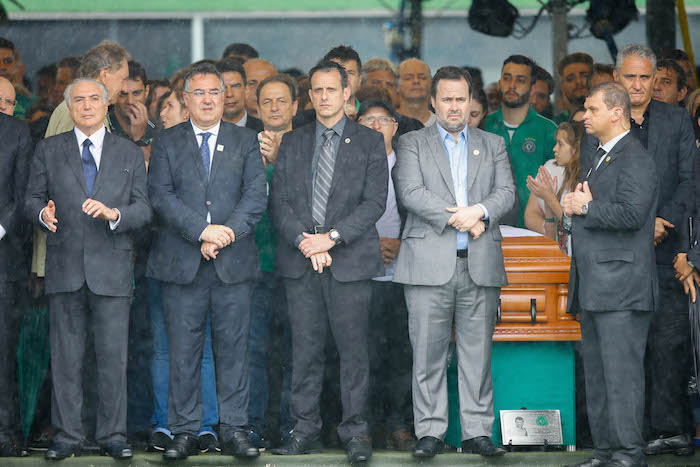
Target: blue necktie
<point x="89" y="166"/>
<point x="204" y="150"/>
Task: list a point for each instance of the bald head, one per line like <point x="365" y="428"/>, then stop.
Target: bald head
<point x="256" y="70"/>
<point x="7" y="97"/>
<point x="414" y="80"/>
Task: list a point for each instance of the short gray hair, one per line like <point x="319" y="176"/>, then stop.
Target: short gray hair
<point x="641" y="51"/>
<point x="202" y="69"/>
<point x="105" y="55"/>
<point x="379" y="64"/>
<point x="69" y="88"/>
<point x="614" y="95"/>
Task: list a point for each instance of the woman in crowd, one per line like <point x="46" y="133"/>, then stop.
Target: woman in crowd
<point x="477" y="111"/>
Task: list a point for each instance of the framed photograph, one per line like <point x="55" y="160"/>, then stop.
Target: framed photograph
<point x="531" y="427"/>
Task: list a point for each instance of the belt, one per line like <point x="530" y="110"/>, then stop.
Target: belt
<point x="462" y="253"/>
<point x="319" y="229"/>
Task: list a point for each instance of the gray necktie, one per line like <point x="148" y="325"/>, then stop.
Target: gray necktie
<point x="324" y="177"/>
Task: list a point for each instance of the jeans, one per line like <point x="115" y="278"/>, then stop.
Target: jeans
<point x="160" y="368"/>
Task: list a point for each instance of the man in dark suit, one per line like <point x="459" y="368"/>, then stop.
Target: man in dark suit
<point x="207" y="185"/>
<point x="15" y="153"/>
<point x="95" y="184"/>
<point x="667" y="134"/>
<point x="235" y="92"/>
<point x="328" y="191"/>
<point x="612" y="284"/>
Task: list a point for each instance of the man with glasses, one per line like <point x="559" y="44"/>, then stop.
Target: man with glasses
<point x="8" y="70"/>
<point x="207" y="186"/>
<point x="7" y="97"/>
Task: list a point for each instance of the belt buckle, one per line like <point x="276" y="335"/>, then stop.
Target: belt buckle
<point x="318" y="229"/>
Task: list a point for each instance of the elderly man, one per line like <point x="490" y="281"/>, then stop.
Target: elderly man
<point x="256" y="70"/>
<point x="8" y="97"/>
<point x="96" y="186"/>
<point x="414" y="91"/>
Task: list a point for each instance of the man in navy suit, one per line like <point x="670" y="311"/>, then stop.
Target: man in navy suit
<point x="95" y="184"/>
<point x="208" y="189"/>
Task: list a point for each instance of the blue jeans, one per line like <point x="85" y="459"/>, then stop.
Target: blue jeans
<point x="160" y="368"/>
<point x="268" y="305"/>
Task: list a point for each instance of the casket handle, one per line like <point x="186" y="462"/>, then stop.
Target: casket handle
<point x="498" y="312"/>
<point x="533" y="310"/>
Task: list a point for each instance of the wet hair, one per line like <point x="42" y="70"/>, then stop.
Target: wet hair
<point x="522" y="60"/>
<point x="614" y="95"/>
<point x="641" y="51"/>
<point x="328" y="65"/>
<point x="137" y="72"/>
<point x="543" y="75"/>
<point x="576" y="57"/>
<point x="343" y="53"/>
<point x="227" y="65"/>
<point x="240" y="49"/>
<point x="451" y="73"/>
<point x="105" y="55"/>
<point x="670" y="64"/>
<point x="202" y="69"/>
<point x="279" y="78"/>
<point x="573" y="169"/>
<point x="7" y="44"/>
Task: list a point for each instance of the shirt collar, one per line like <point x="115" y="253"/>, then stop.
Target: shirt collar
<point x="607" y="147"/>
<point x="213" y="130"/>
<point x="444" y="134"/>
<point x="97" y="138"/>
<point x="338" y="127"/>
<point x="243" y="120"/>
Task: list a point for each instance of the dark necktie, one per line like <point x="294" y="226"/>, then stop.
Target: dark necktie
<point x="324" y="177"/>
<point x="89" y="166"/>
<point x="599" y="154"/>
<point x="204" y="150"/>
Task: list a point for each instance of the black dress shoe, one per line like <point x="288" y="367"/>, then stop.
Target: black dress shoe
<point x="181" y="446"/>
<point x="592" y="462"/>
<point x="118" y="450"/>
<point x="296" y="445"/>
<point x="358" y="450"/>
<point x="482" y="445"/>
<point x="428" y="446"/>
<point x="681" y="445"/>
<point x="622" y="463"/>
<point x="239" y="446"/>
<point x="10" y="449"/>
<point x="58" y="451"/>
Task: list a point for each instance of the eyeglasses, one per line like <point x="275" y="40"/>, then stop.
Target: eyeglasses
<point x="383" y="121"/>
<point x="200" y="93"/>
<point x="8" y="101"/>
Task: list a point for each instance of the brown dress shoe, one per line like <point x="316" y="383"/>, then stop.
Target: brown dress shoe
<point x="401" y="440"/>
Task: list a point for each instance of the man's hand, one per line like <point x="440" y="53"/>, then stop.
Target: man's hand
<point x="581" y="196"/>
<point x="138" y="120"/>
<point x="478" y="229"/>
<point x="660" y="232"/>
<point x="269" y="146"/>
<point x="48" y="216"/>
<point x="689" y="284"/>
<point x="315" y="243"/>
<point x="97" y="210"/>
<point x="209" y="250"/>
<point x="465" y="218"/>
<point x="320" y="261"/>
<point x="683" y="269"/>
<point x="390" y="248"/>
<point x="219" y="235"/>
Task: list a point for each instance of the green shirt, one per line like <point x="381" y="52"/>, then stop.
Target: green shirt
<point x="562" y="117"/>
<point x="265" y="233"/>
<point x="530" y="147"/>
<point x="23" y="105"/>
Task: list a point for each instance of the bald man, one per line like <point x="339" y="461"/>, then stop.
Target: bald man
<point x="256" y="70"/>
<point x="414" y="91"/>
<point x="8" y="97"/>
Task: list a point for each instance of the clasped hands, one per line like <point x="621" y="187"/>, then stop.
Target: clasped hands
<point x="214" y="238"/>
<point x="91" y="207"/>
<point x="315" y="247"/>
<point x="687" y="274"/>
<point x="574" y="201"/>
<point x="467" y="219"/>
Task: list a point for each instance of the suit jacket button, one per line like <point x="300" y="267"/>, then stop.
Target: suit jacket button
<point x="208" y="203"/>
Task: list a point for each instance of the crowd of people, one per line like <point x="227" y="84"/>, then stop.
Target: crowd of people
<point x="199" y="239"/>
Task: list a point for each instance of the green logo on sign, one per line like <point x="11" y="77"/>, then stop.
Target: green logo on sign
<point x="542" y="420"/>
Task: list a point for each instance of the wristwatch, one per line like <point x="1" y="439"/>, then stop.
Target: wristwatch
<point x="584" y="209"/>
<point x="335" y="236"/>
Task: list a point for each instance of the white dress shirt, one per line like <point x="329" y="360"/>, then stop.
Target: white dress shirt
<point x="211" y="142"/>
<point x="243" y="120"/>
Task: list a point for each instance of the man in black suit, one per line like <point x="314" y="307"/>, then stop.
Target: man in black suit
<point x="667" y="134"/>
<point x="207" y="185"/>
<point x="612" y="284"/>
<point x="15" y="153"/>
<point x="95" y="184"/>
<point x="329" y="189"/>
<point x="235" y="95"/>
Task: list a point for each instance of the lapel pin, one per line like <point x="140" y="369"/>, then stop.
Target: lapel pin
<point x="126" y="170"/>
<point x="607" y="159"/>
<point x="347" y="140"/>
<point x="476" y="152"/>
<point x="220" y="147"/>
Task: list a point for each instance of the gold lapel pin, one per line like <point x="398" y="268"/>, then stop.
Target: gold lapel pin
<point x="347" y="140"/>
<point x="220" y="147"/>
<point x="607" y="159"/>
<point x="476" y="152"/>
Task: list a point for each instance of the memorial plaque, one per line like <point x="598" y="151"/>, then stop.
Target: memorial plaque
<point x="531" y="427"/>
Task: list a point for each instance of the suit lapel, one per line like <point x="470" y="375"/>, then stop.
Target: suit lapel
<point x="437" y="148"/>
<point x="107" y="162"/>
<point x="475" y="154"/>
<point x="223" y="140"/>
<point x="344" y="156"/>
<point x="610" y="157"/>
<point x="74" y="158"/>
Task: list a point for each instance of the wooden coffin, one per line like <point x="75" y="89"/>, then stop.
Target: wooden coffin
<point x="533" y="305"/>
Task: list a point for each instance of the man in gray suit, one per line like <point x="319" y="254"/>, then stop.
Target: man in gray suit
<point x="456" y="183"/>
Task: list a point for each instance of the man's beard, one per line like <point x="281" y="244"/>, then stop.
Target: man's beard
<point x="578" y="101"/>
<point x="521" y="101"/>
<point x="451" y="127"/>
